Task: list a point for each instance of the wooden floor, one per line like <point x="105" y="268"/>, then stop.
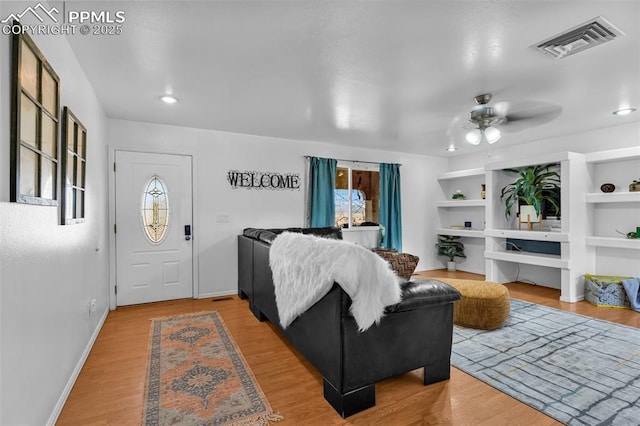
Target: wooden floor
<point x="109" y="390"/>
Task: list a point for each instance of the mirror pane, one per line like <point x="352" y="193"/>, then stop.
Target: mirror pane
<point x="28" y="172"/>
<point x="49" y="93"/>
<point x="29" y="71"/>
<point x="28" y="120"/>
<point x="48" y="138"/>
<point x="47" y="178"/>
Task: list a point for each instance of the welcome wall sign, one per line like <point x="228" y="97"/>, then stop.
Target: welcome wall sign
<point x="263" y="180"/>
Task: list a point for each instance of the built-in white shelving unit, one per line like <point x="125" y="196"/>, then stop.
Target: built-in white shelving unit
<point x="456" y="212"/>
<point x="613" y="212"/>
<point x="591" y="220"/>
<point x="574" y="254"/>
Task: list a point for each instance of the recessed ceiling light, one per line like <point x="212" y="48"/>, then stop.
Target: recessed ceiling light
<point x="168" y="99"/>
<point x="624" y="111"/>
<point x="451" y="149"/>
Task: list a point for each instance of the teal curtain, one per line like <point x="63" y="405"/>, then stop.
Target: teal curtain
<point x="390" y="206"/>
<point x="322" y="185"/>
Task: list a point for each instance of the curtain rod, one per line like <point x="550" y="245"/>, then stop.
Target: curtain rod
<point x="356" y="161"/>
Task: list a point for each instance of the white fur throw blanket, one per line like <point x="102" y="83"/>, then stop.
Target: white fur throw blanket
<point x="305" y="267"/>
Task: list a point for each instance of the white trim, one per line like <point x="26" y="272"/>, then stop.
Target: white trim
<point x="612" y="197"/>
<point x="216" y="294"/>
<point x="548" y="260"/>
<point x="556" y="157"/>
<point x="461" y="203"/>
<point x="613" y="242"/>
<point x="459" y="174"/>
<point x="470" y="233"/>
<point x="355" y="165"/>
<point x="195" y="247"/>
<point x="528" y="235"/>
<point x="53" y="418"/>
<point x="613" y="155"/>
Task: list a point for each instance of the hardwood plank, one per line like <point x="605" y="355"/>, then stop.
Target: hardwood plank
<point x="110" y="387"/>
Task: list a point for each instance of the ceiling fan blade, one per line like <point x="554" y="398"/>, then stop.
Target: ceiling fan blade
<point x="523" y="115"/>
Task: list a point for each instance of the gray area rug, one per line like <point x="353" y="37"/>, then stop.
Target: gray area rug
<point x="576" y="369"/>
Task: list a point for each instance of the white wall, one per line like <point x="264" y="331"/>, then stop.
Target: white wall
<point x="622" y="136"/>
<point x="48" y="272"/>
<point x="215" y="153"/>
<point x="608" y="260"/>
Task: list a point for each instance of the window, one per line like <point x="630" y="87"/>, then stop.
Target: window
<point x="155" y="209"/>
<point x="74" y="162"/>
<point x="34" y="125"/>
<point x="357" y="195"/>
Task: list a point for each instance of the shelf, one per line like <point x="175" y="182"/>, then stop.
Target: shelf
<point x="471" y="233"/>
<point x="613" y="197"/>
<point x="613" y="242"/>
<point x="459" y="174"/>
<point x="613" y="155"/>
<point x="462" y="203"/>
<point x="548" y="260"/>
<point x="528" y="235"/>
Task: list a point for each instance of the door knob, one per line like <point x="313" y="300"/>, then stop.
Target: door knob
<point x="187" y="232"/>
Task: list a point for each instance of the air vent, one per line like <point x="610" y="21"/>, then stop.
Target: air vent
<point x="592" y="33"/>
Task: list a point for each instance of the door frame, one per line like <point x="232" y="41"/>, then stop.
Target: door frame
<point x="195" y="247"/>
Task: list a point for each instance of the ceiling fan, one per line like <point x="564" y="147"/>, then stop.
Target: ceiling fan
<point x="485" y="118"/>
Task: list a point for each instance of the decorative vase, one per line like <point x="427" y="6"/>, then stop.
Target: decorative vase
<point x="528" y="214"/>
<point x="451" y="266"/>
<point x="607" y="187"/>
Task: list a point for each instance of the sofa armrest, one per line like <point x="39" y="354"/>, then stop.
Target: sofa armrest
<point x="423" y="293"/>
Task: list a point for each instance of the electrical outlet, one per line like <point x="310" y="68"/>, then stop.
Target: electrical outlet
<point x="92" y="306"/>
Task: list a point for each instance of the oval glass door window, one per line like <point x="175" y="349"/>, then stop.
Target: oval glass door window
<point x="155" y="210"/>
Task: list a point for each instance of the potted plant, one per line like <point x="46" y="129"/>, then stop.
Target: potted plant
<point x="451" y="247"/>
<point x="534" y="185"/>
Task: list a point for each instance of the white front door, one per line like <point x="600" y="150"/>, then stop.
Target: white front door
<point x="154" y="256"/>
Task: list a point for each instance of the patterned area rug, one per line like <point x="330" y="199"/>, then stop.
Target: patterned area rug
<point x="198" y="376"/>
<point x="576" y="369"/>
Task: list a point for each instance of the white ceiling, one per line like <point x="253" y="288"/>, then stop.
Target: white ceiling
<point x="395" y="75"/>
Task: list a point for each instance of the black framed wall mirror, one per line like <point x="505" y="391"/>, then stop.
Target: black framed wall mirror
<point x="35" y="120"/>
<point x="73" y="169"/>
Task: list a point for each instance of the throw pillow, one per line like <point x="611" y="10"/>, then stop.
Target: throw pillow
<point x="402" y="263"/>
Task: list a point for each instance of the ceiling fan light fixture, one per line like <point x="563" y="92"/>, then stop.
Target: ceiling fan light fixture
<point x="168" y="99"/>
<point x="492" y="134"/>
<point x="474" y="136"/>
<point x="623" y="111"/>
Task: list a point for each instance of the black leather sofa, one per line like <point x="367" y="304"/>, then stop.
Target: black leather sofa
<point x="414" y="333"/>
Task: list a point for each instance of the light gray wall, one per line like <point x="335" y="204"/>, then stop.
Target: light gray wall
<point x="627" y="134"/>
<point x="48" y="272"/>
<point x="215" y="153"/>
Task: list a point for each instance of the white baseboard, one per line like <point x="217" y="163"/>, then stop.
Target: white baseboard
<point x="216" y="294"/>
<point x="76" y="372"/>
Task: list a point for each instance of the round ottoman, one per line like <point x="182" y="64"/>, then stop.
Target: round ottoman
<point x="484" y="304"/>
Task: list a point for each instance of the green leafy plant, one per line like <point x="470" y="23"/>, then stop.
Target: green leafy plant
<point x="450" y="246"/>
<point x="534" y="185"/>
